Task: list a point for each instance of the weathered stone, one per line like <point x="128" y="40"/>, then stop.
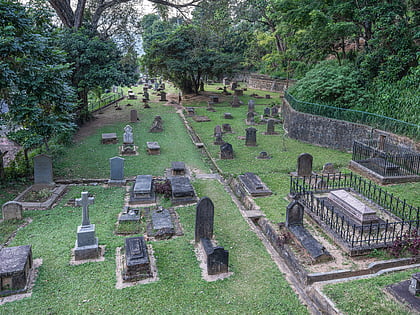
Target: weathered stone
<point x="294" y="213"/>
<point x="267" y="111"/>
<point x="228" y="116"/>
<point x="217" y="258"/>
<point x="163" y="97"/>
<point x="153" y="148"/>
<point x="178" y="168"/>
<point x="109" y="138"/>
<point x="182" y="190"/>
<point x="43" y="172"/>
<point x="250" y="118"/>
<point x="236" y="102"/>
<point x="253" y="185"/>
<point x="133" y="116"/>
<point x="162" y="225"/>
<point x="117" y="171"/>
<point x="128" y="135"/>
<point x="204" y="219"/>
<point x="218" y="139"/>
<point x="137" y="263"/>
<point x="226" y="128"/>
<point x="226" y="151"/>
<point x="304" y="164"/>
<point x="12" y="210"/>
<point x="270" y="127"/>
<point x="251" y="137"/>
<point x="328" y="168"/>
<point x="414" y="287"/>
<point x="157" y="125"/>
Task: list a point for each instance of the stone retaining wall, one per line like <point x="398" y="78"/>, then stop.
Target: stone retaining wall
<point x="333" y="133"/>
<point x="265" y="83"/>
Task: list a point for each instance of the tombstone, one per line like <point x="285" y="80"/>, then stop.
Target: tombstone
<point x="182" y="190"/>
<point x="128" y="135"/>
<point x="251" y="106"/>
<point x="214" y="98"/>
<point x="133" y="116"/>
<point x="274" y="111"/>
<point x="157" y="125"/>
<point x="226" y="151"/>
<point x="210" y="107"/>
<point x="236" y="102"/>
<point x="294" y="213"/>
<point x="226" y="128"/>
<point x="178" y="168"/>
<point x="129" y="215"/>
<point x="263" y="156"/>
<point x="12" y="210"/>
<point x="204" y="219"/>
<point x="156" y="86"/>
<point x="117" y="171"/>
<point x="86" y="243"/>
<point x="163" y="96"/>
<point x="146" y="95"/>
<point x="239" y="92"/>
<point x="250" y="118"/>
<point x="228" y="116"/>
<point x="137" y="263"/>
<point x="267" y="96"/>
<point x="328" y="168"/>
<point x="153" y="148"/>
<point x="233" y="85"/>
<point x="270" y="127"/>
<point x="253" y="185"/>
<point x="267" y="111"/>
<point x="162" y="225"/>
<point x="16" y="265"/>
<point x="414" y="287"/>
<point x="109" y="138"/>
<point x="226" y="81"/>
<point x="218" y="139"/>
<point x="43" y="172"/>
<point x="251" y="137"/>
<point x="217" y="258"/>
<point x="304" y="164"/>
<point x="143" y="190"/>
<point x="217" y="129"/>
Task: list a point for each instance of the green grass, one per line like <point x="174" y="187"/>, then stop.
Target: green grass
<point x="366" y="296"/>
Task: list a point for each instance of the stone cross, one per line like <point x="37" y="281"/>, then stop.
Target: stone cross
<point x="84" y="202"/>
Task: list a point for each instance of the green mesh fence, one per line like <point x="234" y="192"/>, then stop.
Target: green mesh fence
<point x="356" y="116"/>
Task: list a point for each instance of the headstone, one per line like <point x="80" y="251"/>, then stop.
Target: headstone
<point x="304" y="164"/>
<point x="274" y="111"/>
<point x="156" y="86"/>
<point x="204" y="219"/>
<point x="228" y="116"/>
<point x="294" y="213"/>
<point x="414" y="287"/>
<point x="129" y="215"/>
<point x="162" y="224"/>
<point x="214" y="98"/>
<point x="328" y="168"/>
<point x="178" y="168"/>
<point x="137" y="263"/>
<point x="251" y="106"/>
<point x="226" y="81"/>
<point x="233" y="85"/>
<point x="163" y="96"/>
<point x="128" y="135"/>
<point x="43" y="172"/>
<point x="239" y="92"/>
<point x="210" y="107"/>
<point x="117" y="171"/>
<point x="12" y="210"/>
<point x="15" y="269"/>
<point x="182" y="190"/>
<point x="217" y="257"/>
<point x="226" y="128"/>
<point x="268" y="96"/>
<point x="250" y="118"/>
<point x="153" y="148"/>
<point x="157" y="125"/>
<point x="267" y="111"/>
<point x="226" y="151"/>
<point x="218" y="139"/>
<point x="146" y="95"/>
<point x="86" y="243"/>
<point x="251" y="137"/>
<point x="236" y="102"/>
<point x="270" y="127"/>
<point x="109" y="138"/>
<point x="253" y="185"/>
<point x="133" y="116"/>
<point x="217" y="129"/>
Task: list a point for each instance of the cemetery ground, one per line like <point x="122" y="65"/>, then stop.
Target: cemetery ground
<point x="256" y="285"/>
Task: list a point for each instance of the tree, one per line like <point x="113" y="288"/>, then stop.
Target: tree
<point x="34" y="76"/>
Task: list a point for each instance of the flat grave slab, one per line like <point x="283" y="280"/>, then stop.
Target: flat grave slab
<point x="182" y="191"/>
<point x="109" y="138"/>
<point x="137" y="263"/>
<point x="153" y="148"/>
<point x="178" y="168"/>
<point x="142" y="191"/>
<point x="253" y="185"/>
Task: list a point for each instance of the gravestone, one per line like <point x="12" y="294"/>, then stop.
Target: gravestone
<point x="163" y="96"/>
<point x="86" y="243"/>
<point x="236" y="102"/>
<point x="153" y="148"/>
<point x="304" y="164"/>
<point x="228" y="116"/>
<point x="178" y="168"/>
<point x="204" y="219"/>
<point x="217" y="258"/>
<point x="239" y="92"/>
<point x="157" y="125"/>
<point x="414" y="287"/>
<point x="12" y="210"/>
<point x="226" y="81"/>
<point x="226" y="151"/>
<point x="217" y="129"/>
<point x="133" y="116"/>
<point x="251" y="106"/>
<point x="182" y="190"/>
<point x="270" y="127"/>
<point x="263" y="156"/>
<point x="250" y="118"/>
<point x="233" y="85"/>
<point x="294" y="213"/>
<point x="267" y="111"/>
<point x="162" y="225"/>
<point x="137" y="263"/>
<point x="210" y="107"/>
<point x="267" y="96"/>
<point x="43" y="172"/>
<point x="274" y="111"/>
<point x="15" y="269"/>
<point x="146" y="95"/>
<point x="253" y="185"/>
<point x="142" y="191"/>
<point x="109" y="138"/>
<point x="128" y="135"/>
<point x="129" y="215"/>
<point x="214" y="98"/>
<point x="226" y="128"/>
<point x="328" y="168"/>
<point x="218" y="139"/>
<point x="117" y="171"/>
<point x="251" y="137"/>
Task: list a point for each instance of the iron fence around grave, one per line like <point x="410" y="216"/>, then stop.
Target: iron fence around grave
<point x="356" y="116"/>
<point x="372" y="235"/>
<point x="386" y="158"/>
<point x="105" y="101"/>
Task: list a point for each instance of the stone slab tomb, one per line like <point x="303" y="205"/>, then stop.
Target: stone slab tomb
<point x="407" y="293"/>
<point x="157" y="125"/>
<point x="129" y="215"/>
<point x="109" y="138"/>
<point x="136" y="262"/>
<point x="182" y="191"/>
<point x="15" y="268"/>
<point x="353" y="207"/>
<point x="142" y="191"/>
<point x="226" y="151"/>
<point x="161" y="226"/>
<point x="153" y="148"/>
<point x="253" y="185"/>
<point x="178" y="168"/>
<point x="12" y="210"/>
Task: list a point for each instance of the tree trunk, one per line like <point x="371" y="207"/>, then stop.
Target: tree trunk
<point x="2" y="154"/>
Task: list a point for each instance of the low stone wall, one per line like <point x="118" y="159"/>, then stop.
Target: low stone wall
<point x="265" y="83"/>
<point x="332" y="133"/>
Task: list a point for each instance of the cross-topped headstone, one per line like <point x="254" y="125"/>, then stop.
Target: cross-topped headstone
<point x="84" y="202"/>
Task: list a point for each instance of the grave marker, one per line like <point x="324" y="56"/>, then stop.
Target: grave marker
<point x="12" y="210"/>
<point x="304" y="164"/>
<point x="117" y="171"/>
<point x="251" y="137"/>
<point x="204" y="219"/>
<point x="137" y="263"/>
<point x="133" y="116"/>
<point x="226" y="151"/>
<point x="43" y="172"/>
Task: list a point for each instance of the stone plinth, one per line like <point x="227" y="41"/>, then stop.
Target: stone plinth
<point x="137" y="263"/>
<point x="86" y="244"/>
<point x="153" y="148"/>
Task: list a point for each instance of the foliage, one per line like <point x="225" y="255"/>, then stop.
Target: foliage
<point x="409" y="243"/>
<point x="163" y="187"/>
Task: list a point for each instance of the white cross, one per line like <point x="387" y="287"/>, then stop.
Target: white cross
<point x="85" y="201"/>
